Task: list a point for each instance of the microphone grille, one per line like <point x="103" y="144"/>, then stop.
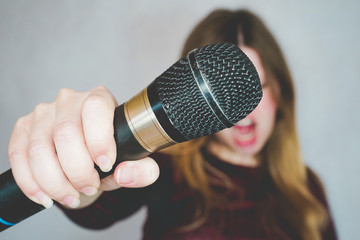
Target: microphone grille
<point x="233" y="82"/>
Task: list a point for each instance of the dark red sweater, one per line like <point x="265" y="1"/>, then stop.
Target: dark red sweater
<point x="171" y="203"/>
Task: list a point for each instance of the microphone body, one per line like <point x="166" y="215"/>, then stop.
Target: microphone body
<point x="210" y="89"/>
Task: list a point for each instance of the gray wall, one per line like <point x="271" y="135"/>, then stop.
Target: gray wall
<point x="48" y="45"/>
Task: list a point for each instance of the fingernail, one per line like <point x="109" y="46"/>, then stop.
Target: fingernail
<point x="89" y="191"/>
<point x="44" y="199"/>
<point x="104" y="163"/>
<point x="71" y="201"/>
<point x="126" y="175"/>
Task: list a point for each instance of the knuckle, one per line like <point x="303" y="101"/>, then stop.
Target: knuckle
<point x="99" y="146"/>
<point x="41" y="109"/>
<point x="22" y="122"/>
<point x="55" y="187"/>
<point x="16" y="155"/>
<point x="65" y="130"/>
<point x="84" y="177"/>
<point x="36" y="148"/>
<point x="103" y="94"/>
<point x="101" y="143"/>
<point x="94" y="101"/>
<point x="27" y="188"/>
<point x="27" y="185"/>
<point x="101" y="88"/>
<point x="65" y="93"/>
<point x="57" y="192"/>
<point x="80" y="179"/>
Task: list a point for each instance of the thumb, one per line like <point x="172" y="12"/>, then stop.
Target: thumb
<point x="132" y="174"/>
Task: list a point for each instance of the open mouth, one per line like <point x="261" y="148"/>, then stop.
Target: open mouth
<point x="245" y="132"/>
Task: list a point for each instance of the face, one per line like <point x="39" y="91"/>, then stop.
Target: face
<point x="248" y="136"/>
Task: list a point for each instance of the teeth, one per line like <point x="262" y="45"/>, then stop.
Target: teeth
<point x="245" y="122"/>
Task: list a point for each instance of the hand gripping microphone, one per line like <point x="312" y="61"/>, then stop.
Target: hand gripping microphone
<point x="210" y="89"/>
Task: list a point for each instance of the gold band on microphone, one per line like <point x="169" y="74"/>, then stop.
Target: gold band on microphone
<point x="144" y="124"/>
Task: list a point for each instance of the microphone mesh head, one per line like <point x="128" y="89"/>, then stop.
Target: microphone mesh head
<point x="232" y="80"/>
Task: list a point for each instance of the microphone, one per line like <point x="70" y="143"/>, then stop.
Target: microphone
<point x="209" y="89"/>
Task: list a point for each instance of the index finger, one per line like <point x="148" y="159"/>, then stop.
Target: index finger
<point x="97" y="119"/>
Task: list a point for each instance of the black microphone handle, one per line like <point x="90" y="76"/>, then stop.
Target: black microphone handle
<point x="15" y="206"/>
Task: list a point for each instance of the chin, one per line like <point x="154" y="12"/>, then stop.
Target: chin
<point x="250" y="150"/>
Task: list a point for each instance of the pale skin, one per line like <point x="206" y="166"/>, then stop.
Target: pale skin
<point x="53" y="149"/>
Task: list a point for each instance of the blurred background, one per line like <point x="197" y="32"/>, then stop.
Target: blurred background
<point x="124" y="45"/>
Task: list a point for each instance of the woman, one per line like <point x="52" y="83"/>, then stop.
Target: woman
<point x="246" y="182"/>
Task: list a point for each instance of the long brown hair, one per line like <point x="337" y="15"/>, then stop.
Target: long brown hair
<point x="280" y="157"/>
